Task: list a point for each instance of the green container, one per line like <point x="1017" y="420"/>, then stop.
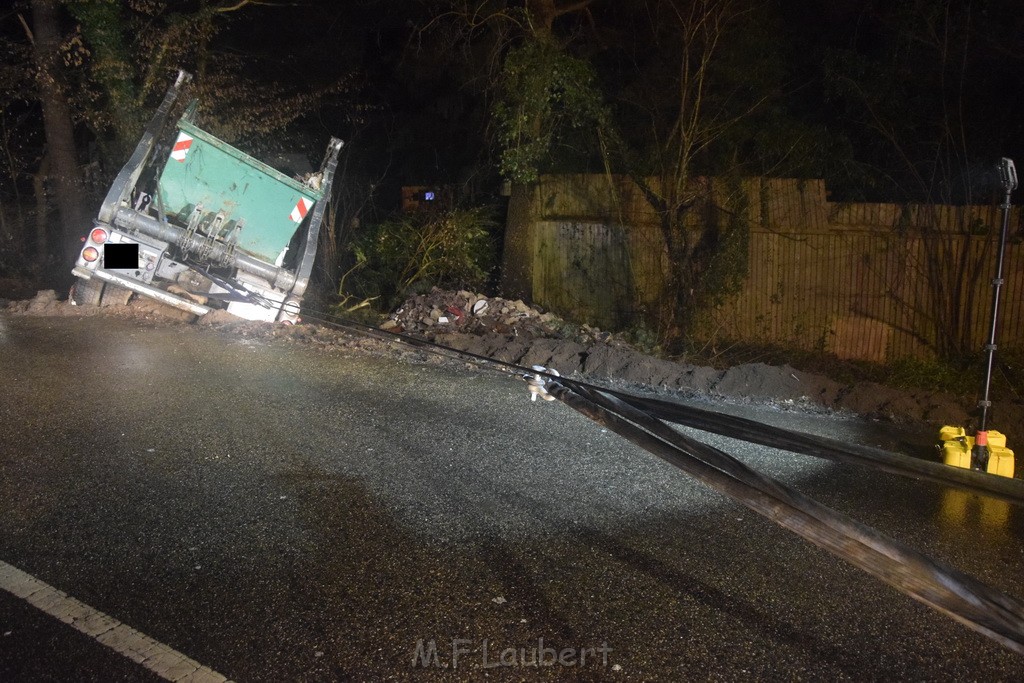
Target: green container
<point x="269" y="205"/>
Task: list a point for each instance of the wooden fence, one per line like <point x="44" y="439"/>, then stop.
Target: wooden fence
<point x="867" y="281"/>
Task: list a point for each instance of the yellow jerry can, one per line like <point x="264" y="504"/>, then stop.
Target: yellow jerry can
<point x="957" y="445"/>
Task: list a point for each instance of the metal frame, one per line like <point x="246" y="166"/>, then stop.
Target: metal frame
<point x="116" y="213"/>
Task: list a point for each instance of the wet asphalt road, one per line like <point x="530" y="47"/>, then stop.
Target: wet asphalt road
<point x="282" y="513"/>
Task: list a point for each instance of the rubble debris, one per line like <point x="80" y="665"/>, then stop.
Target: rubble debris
<point x="514" y="332"/>
<point x="441" y="311"/>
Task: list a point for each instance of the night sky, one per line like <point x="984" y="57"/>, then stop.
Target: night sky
<point x="416" y="107"/>
<point x="427" y="120"/>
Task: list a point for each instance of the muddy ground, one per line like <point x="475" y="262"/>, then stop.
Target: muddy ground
<point x="513" y="332"/>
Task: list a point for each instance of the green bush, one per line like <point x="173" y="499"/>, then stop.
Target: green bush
<point x="416" y="251"/>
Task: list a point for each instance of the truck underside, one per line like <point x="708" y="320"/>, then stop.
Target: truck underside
<point x="197" y="224"/>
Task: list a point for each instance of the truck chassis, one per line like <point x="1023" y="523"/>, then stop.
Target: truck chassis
<point x="196" y="224"/>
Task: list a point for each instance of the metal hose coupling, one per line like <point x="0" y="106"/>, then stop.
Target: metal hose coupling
<point x="538" y="383"/>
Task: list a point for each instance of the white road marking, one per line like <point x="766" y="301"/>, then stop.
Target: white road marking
<point x="162" y="660"/>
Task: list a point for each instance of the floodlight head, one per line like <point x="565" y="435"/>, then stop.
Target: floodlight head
<point x="1007" y="175"/>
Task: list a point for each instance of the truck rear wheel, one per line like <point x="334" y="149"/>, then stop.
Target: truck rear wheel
<point x="115" y="296"/>
<point x="88" y="292"/>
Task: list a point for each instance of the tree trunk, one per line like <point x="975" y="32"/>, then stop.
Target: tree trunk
<point x="42" y="210"/>
<point x="678" y="303"/>
<point x="7" y="237"/>
<point x="60" y="140"/>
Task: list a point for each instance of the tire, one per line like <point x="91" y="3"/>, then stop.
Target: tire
<point x="88" y="292"/>
<point x="115" y="296"/>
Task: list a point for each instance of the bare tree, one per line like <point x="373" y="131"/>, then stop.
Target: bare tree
<point x="928" y="126"/>
<point x="60" y="140"/>
<point x="680" y="132"/>
<point x="672" y="107"/>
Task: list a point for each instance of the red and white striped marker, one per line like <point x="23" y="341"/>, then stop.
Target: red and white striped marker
<point x="301" y="209"/>
<point x="181" y="147"/>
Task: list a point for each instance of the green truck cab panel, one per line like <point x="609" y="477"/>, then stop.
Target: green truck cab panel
<point x="244" y="200"/>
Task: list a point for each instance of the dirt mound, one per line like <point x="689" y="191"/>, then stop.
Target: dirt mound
<point x="47" y="303"/>
<point x="514" y="332"/>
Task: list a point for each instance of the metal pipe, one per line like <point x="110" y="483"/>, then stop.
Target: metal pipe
<point x="129" y="219"/>
<point x="141" y="288"/>
<point x="1008" y="179"/>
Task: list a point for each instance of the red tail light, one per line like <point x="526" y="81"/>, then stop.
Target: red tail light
<point x="98" y="235"/>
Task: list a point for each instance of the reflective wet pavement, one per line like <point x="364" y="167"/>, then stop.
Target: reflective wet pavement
<point x="278" y="512"/>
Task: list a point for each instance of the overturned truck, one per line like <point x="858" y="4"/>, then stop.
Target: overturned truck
<point x="197" y="224"/>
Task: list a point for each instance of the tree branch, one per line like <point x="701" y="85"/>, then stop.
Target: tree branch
<point x="573" y="7"/>
<point x="28" y="31"/>
<point x="242" y="3"/>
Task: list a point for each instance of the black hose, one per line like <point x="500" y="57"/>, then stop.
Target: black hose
<point x="943" y="588"/>
<point x="1004" y="488"/>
